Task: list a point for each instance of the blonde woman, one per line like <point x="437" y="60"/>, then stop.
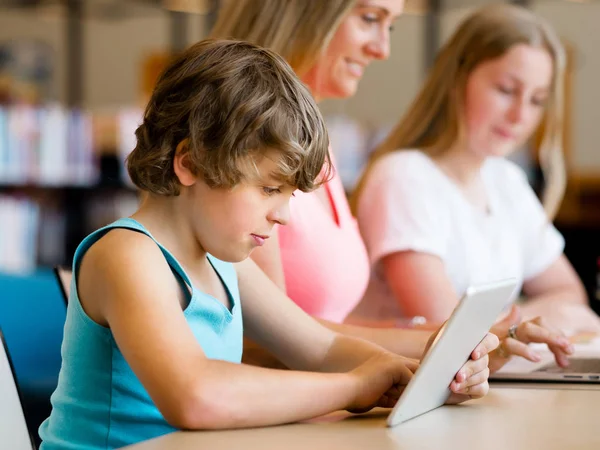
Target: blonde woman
<point x="441" y="208"/>
<point x="319" y="257"/>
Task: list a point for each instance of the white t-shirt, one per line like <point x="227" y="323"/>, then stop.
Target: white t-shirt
<point x="410" y="204"/>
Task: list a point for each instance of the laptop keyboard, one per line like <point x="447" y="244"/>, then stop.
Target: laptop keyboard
<point x="584" y="365"/>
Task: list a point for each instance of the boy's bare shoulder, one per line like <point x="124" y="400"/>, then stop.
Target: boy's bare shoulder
<point x="122" y="248"/>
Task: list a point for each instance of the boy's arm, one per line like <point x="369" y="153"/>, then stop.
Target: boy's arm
<point x="276" y="323"/>
<point x="408" y="342"/>
<point x="129" y="286"/>
<point x="300" y="342"/>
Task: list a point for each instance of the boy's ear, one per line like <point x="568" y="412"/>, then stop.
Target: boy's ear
<point x="182" y="164"/>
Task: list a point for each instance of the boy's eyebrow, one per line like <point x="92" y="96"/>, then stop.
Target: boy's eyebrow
<point x="277" y="177"/>
<point x="383" y="9"/>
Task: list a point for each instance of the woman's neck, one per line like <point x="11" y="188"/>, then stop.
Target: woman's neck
<point x="309" y="82"/>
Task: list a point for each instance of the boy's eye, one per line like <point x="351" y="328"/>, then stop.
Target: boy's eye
<point x="271" y="190"/>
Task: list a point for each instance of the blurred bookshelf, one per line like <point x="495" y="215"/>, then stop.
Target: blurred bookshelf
<point x="63" y="144"/>
<point x="579" y="222"/>
<point x="61" y="176"/>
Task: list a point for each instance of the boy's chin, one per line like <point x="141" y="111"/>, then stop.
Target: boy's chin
<point x="233" y="255"/>
<point x="242" y="255"/>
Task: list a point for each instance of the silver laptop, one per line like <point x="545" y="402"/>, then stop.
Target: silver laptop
<point x="584" y="366"/>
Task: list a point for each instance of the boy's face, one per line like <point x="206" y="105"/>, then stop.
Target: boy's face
<point x="230" y="223"/>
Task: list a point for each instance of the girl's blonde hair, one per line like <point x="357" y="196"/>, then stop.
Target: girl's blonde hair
<point x="433" y="123"/>
<point x="298" y="30"/>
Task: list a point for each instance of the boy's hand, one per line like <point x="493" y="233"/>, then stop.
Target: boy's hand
<point x="471" y="381"/>
<point x="380" y="380"/>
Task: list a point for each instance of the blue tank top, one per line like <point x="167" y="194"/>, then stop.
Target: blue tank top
<point x="99" y="402"/>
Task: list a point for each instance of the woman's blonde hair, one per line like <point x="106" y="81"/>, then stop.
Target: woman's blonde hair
<point x="298" y="30"/>
<point x="433" y="123"/>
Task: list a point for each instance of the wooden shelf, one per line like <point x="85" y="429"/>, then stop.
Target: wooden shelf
<point x="581" y="205"/>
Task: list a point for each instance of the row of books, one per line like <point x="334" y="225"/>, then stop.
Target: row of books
<point x="34" y="233"/>
<point x="49" y="146"/>
<point x="19" y="219"/>
<point x="56" y="146"/>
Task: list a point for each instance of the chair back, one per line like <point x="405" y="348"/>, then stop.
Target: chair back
<point x="14" y="433"/>
<point x="63" y="276"/>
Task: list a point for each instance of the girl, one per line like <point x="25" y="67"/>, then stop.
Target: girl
<point x="153" y="337"/>
<point x="441" y="208"/>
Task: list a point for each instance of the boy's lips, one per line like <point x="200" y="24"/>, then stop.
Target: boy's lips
<point x="259" y="239"/>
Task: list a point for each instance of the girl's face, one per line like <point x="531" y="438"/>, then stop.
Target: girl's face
<point x="230" y="223"/>
<point x="362" y="37"/>
<point x="505" y="99"/>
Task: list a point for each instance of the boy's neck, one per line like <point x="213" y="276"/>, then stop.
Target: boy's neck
<point x="165" y="220"/>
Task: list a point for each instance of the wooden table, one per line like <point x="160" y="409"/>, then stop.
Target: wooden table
<point x="510" y="417"/>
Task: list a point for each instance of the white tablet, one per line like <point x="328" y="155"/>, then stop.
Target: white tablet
<point x="477" y="311"/>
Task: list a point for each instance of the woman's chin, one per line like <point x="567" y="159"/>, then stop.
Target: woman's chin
<point x="343" y="89"/>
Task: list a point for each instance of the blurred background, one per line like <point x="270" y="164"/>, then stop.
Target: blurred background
<point x="74" y="77"/>
<point x="75" y="74"/>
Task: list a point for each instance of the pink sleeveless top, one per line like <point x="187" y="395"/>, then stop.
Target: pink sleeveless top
<point x="325" y="261"/>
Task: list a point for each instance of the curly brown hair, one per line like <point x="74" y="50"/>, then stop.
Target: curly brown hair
<point x="233" y="101"/>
